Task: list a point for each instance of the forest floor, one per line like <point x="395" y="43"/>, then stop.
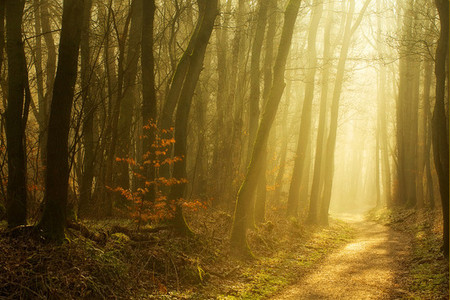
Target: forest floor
<point x="395" y="255"/>
<point x="350" y="259"/>
<point x="369" y="267"/>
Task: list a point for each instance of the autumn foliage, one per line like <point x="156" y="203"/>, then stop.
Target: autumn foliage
<point x="138" y="206"/>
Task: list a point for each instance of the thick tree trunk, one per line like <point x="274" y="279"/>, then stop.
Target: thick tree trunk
<point x="16" y="201"/>
<point x="57" y="176"/>
<point x="248" y="187"/>
<point x="440" y="125"/>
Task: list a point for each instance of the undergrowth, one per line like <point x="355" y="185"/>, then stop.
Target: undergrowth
<point x="162" y="265"/>
<point x="428" y="270"/>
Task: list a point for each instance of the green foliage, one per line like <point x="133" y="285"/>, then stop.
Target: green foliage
<point x="428" y="272"/>
<point x="270" y="274"/>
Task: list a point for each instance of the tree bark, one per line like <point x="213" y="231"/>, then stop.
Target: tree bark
<point x="177" y="191"/>
<point x="440" y="125"/>
<point x="88" y="105"/>
<point x="248" y="187"/>
<point x="16" y="199"/>
<point x="148" y="92"/>
<point x="305" y="123"/>
<point x="331" y="142"/>
<point x="57" y="176"/>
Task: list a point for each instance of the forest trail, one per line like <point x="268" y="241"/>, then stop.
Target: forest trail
<point x="366" y="268"/>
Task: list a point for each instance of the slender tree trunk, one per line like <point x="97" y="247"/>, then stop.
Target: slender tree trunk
<point x="84" y="205"/>
<point x="148" y="91"/>
<point x="331" y="142"/>
<point x="440" y="125"/>
<point x="283" y="150"/>
<point x="117" y="82"/>
<point x="305" y="123"/>
<point x="382" y="118"/>
<point x="39" y="73"/>
<point x="130" y="94"/>
<point x="53" y="220"/>
<point x="218" y="165"/>
<point x="184" y="104"/>
<point x="261" y="193"/>
<point x="176" y="86"/>
<point x="50" y="70"/>
<point x="16" y="198"/>
<point x="2" y="41"/>
<point x="248" y="187"/>
<point x="406" y="110"/>
<point x="428" y="66"/>
<point x="316" y="186"/>
<point x="254" y="98"/>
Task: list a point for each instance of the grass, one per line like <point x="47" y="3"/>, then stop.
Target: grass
<point x="428" y="270"/>
<point x="164" y="265"/>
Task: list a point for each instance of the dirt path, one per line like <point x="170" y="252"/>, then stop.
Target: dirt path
<point x="367" y="268"/>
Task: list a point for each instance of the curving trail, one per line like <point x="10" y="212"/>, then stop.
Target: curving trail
<point x="367" y="268"/>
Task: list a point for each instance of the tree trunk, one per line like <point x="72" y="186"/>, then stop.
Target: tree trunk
<point x="254" y="103"/>
<point x="16" y="199"/>
<point x="84" y="205"/>
<point x="331" y="142"/>
<point x="177" y="191"/>
<point x="50" y="70"/>
<point x="283" y="150"/>
<point x="305" y="123"/>
<point x="440" y="125"/>
<point x="254" y="98"/>
<point x="148" y="91"/>
<point x="428" y="66"/>
<point x="130" y="94"/>
<point x="218" y="163"/>
<point x="248" y="187"/>
<point x="57" y="176"/>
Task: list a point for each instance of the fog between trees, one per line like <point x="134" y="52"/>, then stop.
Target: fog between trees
<point x="146" y="110"/>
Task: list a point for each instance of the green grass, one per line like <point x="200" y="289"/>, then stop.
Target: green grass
<point x="286" y="266"/>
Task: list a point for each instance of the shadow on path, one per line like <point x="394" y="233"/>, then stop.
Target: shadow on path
<point x="367" y="268"/>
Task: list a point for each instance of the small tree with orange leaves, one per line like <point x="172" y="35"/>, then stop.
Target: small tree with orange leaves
<point x="161" y="208"/>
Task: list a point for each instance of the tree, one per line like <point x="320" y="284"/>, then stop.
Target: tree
<point x="248" y="186"/>
<point x="148" y="87"/>
<point x="305" y="124"/>
<point x="16" y="116"/>
<point x="208" y="13"/>
<point x="331" y="141"/>
<point x="88" y="104"/>
<point x="53" y="220"/>
<point x="440" y="125"/>
<point x="317" y="182"/>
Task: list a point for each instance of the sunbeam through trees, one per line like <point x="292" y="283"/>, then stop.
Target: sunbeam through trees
<point x="224" y="149"/>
